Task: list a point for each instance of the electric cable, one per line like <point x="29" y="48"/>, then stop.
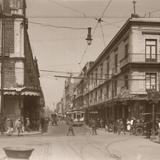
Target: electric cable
<point x="85" y="51"/>
<point x="102" y="33"/>
<point x="64" y="6"/>
<point x="73" y="17"/>
<point x="105" y="9"/>
<point x="59" y="27"/>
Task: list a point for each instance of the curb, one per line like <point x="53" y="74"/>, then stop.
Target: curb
<point x="21" y="134"/>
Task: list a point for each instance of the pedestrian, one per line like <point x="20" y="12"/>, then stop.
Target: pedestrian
<point x="2" y="124"/>
<point x="129" y="126"/>
<point x="106" y="126"/>
<point x="159" y="130"/>
<point x="70" y="127"/>
<point x="94" y="126"/>
<point x="148" y="129"/>
<point x="27" y="125"/>
<point x="42" y="122"/>
<point x="101" y="123"/>
<point x="9" y="127"/>
<point x="18" y="126"/>
<point x="118" y="126"/>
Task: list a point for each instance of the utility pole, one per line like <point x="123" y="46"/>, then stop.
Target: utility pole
<point x="2" y="66"/>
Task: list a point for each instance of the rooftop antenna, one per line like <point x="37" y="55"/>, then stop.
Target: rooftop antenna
<point x="134" y="6"/>
<point x="134" y="15"/>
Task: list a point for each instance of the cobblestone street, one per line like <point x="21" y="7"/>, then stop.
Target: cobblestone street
<point x="84" y="146"/>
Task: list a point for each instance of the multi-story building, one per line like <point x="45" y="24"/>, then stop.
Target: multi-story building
<point x="21" y="92"/>
<point x="81" y="89"/>
<point x="126" y="69"/>
<point x="68" y="94"/>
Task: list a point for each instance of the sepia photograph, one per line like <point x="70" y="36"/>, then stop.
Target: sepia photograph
<point x="79" y="80"/>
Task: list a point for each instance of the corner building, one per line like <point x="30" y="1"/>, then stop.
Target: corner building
<point x="124" y="71"/>
<point x="20" y="85"/>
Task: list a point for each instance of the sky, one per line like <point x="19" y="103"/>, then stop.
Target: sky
<point x="64" y="49"/>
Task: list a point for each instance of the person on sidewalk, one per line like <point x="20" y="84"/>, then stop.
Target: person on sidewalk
<point x="101" y="123"/>
<point x="70" y="127"/>
<point x="9" y="127"/>
<point x="2" y="124"/>
<point x="159" y="130"/>
<point x="27" y="126"/>
<point x="129" y="125"/>
<point x="148" y="129"/>
<point x="18" y="126"/>
<point x="106" y="126"/>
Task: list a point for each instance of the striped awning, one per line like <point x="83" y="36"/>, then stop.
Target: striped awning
<point x="23" y="93"/>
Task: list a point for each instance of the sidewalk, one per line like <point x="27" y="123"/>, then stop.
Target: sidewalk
<point x="24" y="133"/>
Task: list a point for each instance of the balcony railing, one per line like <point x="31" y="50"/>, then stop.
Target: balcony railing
<point x="140" y="58"/>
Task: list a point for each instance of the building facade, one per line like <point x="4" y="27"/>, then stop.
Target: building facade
<point x="68" y="94"/>
<point x="120" y="78"/>
<point x="21" y="93"/>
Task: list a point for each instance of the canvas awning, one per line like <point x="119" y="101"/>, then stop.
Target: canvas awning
<point x="22" y="93"/>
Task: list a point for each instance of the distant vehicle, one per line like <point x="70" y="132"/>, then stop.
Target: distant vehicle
<point x="77" y="117"/>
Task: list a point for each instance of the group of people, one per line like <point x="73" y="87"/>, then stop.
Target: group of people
<point x="121" y="126"/>
<point x="8" y="126"/>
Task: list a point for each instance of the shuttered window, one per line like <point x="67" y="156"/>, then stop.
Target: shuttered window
<point x="8" y="43"/>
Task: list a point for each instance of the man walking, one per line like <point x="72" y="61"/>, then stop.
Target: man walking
<point x="70" y="127"/>
<point x="18" y="126"/>
<point x="94" y="127"/>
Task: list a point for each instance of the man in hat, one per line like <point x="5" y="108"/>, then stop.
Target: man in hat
<point x="70" y="126"/>
<point x="18" y="125"/>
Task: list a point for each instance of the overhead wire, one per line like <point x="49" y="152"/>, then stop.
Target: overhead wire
<point x="55" y="26"/>
<point x="105" y="9"/>
<point x="73" y="17"/>
<point x="72" y="73"/>
<point x="102" y="33"/>
<point x="64" y="6"/>
<point x="85" y="51"/>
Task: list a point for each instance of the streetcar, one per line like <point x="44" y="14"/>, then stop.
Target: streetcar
<point x="77" y="117"/>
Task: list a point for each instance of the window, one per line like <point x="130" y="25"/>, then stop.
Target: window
<point x="107" y="91"/>
<point x="116" y="62"/>
<point x="101" y="73"/>
<point x="151" y="50"/>
<point x="151" y="80"/>
<point x="107" y="75"/>
<point x="101" y="70"/>
<point x="95" y="98"/>
<point x="91" y="98"/>
<point x="114" y="91"/>
<point x="96" y="78"/>
<point x="16" y="4"/>
<point x="126" y="51"/>
<point x="101" y="93"/>
<point x="126" y="81"/>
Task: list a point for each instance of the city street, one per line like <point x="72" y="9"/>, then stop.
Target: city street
<point x="83" y="146"/>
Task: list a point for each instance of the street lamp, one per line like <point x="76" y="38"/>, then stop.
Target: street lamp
<point x="89" y="36"/>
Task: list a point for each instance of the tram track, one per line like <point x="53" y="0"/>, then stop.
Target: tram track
<point x="90" y="143"/>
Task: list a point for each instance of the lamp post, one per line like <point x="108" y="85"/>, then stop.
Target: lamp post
<point x="89" y="36"/>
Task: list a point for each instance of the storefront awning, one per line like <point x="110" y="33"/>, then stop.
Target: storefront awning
<point x="30" y="93"/>
<point x="23" y="93"/>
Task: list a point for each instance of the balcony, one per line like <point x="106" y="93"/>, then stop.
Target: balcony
<point x="139" y="58"/>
